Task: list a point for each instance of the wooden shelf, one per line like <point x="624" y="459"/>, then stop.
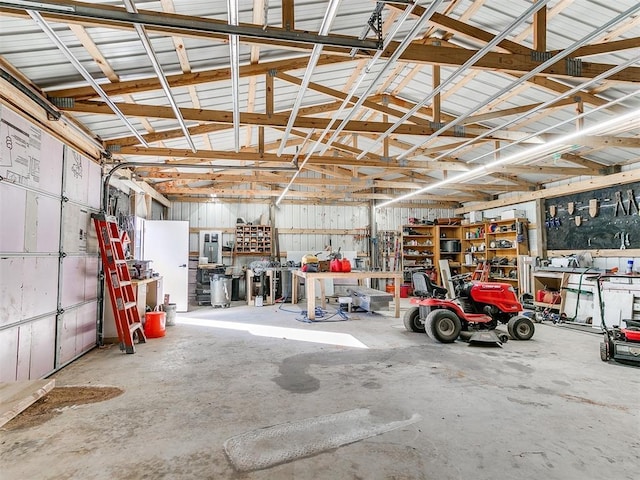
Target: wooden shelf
<point x="253" y="240"/>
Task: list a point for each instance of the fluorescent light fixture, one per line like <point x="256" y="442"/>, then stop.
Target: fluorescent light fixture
<point x="44" y="26"/>
<point x="146" y="43"/>
<point x="568" y="93"/>
<point x="328" y="19"/>
<point x="564" y="53"/>
<point x="537" y="150"/>
<point x="234" y="55"/>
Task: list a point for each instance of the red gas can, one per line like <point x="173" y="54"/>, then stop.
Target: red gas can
<point x="335" y="265"/>
<point x="346" y="265"/>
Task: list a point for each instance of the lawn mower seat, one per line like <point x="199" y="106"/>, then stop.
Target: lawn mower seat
<point x="424" y="287"/>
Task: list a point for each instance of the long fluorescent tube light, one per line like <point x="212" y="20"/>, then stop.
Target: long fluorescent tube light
<point x="462" y="68"/>
<point x="564" y="53"/>
<point x="146" y="43"/>
<point x="568" y="93"/>
<point x="484" y="169"/>
<point x="44" y="26"/>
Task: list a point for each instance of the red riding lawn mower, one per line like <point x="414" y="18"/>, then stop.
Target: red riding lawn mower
<point x="473" y="315"/>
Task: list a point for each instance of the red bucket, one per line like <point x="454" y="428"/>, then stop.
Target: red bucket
<point x="405" y="291"/>
<point x="154" y="325"/>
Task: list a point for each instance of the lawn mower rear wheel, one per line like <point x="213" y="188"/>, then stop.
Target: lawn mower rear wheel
<point x="443" y="326"/>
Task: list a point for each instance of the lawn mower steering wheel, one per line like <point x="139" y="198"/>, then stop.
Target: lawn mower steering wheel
<point x="460" y="276"/>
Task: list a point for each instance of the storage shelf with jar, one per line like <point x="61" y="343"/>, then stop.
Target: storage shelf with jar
<point x="505" y="241"/>
<point x="418" y="247"/>
<point x="474" y="247"/>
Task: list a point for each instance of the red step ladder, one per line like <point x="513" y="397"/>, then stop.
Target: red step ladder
<point x="482" y="272"/>
<point x="118" y="279"/>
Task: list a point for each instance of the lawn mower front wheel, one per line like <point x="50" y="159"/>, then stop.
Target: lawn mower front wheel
<point x="443" y="326"/>
<point x="605" y="355"/>
<point x="520" y="327"/>
<point x="412" y="320"/>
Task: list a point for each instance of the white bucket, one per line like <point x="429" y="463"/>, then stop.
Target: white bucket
<point x="170" y="310"/>
<point x="203" y="260"/>
<point x="258" y="301"/>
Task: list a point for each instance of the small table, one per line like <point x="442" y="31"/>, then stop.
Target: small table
<point x="311" y="278"/>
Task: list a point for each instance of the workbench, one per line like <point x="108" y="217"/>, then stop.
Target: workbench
<point x="310" y="285"/>
<point x="149" y="292"/>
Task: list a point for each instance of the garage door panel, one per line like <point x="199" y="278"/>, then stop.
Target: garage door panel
<point x="48" y="226"/>
<point x="43" y="346"/>
<point x="10" y="289"/>
<point x="67" y="328"/>
<point x="24" y="352"/>
<point x="13" y="201"/>
<point x="73" y="279"/>
<point x="86" y="327"/>
<point x="91" y="278"/>
<point x="8" y="354"/>
<point x="40" y="285"/>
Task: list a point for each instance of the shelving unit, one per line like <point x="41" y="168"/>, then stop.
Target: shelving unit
<point x="253" y="240"/>
<point x="474" y="246"/>
<point x="418" y="247"/>
<point x="389" y="250"/>
<point x="449" y="246"/>
<point x="505" y="240"/>
<point x="551" y="285"/>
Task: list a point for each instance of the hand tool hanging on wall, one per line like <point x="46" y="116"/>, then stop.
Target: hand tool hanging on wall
<point x="571" y="207"/>
<point x="619" y="204"/>
<point x="578" y="220"/>
<point x="631" y="203"/>
<point x="622" y="238"/>
<point x="593" y="207"/>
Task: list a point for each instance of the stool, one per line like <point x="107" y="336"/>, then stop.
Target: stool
<point x="345" y="301"/>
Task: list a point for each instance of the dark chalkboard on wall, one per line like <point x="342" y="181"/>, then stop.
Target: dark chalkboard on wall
<point x="604" y="231"/>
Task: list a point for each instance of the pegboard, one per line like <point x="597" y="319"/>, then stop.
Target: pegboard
<point x="607" y="230"/>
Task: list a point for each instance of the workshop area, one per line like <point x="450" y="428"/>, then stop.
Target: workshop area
<point x="381" y="239"/>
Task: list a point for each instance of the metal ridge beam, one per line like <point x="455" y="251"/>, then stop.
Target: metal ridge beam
<point x="184" y="23"/>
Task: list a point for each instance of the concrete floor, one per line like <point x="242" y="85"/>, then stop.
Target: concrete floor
<point x="543" y="409"/>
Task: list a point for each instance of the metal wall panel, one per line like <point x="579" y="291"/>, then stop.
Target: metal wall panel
<point x="215" y="216"/>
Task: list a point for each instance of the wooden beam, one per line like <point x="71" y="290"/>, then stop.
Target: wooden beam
<point x="288" y="15"/>
<point x="186" y="79"/>
<point x="276" y="120"/>
<point x="540" y="30"/>
<point x="605" y="47"/>
<point x="284" y="159"/>
<point x="274" y="194"/>
<point x="511" y="63"/>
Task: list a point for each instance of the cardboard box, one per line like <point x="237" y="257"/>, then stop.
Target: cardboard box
<point x="511" y="214"/>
